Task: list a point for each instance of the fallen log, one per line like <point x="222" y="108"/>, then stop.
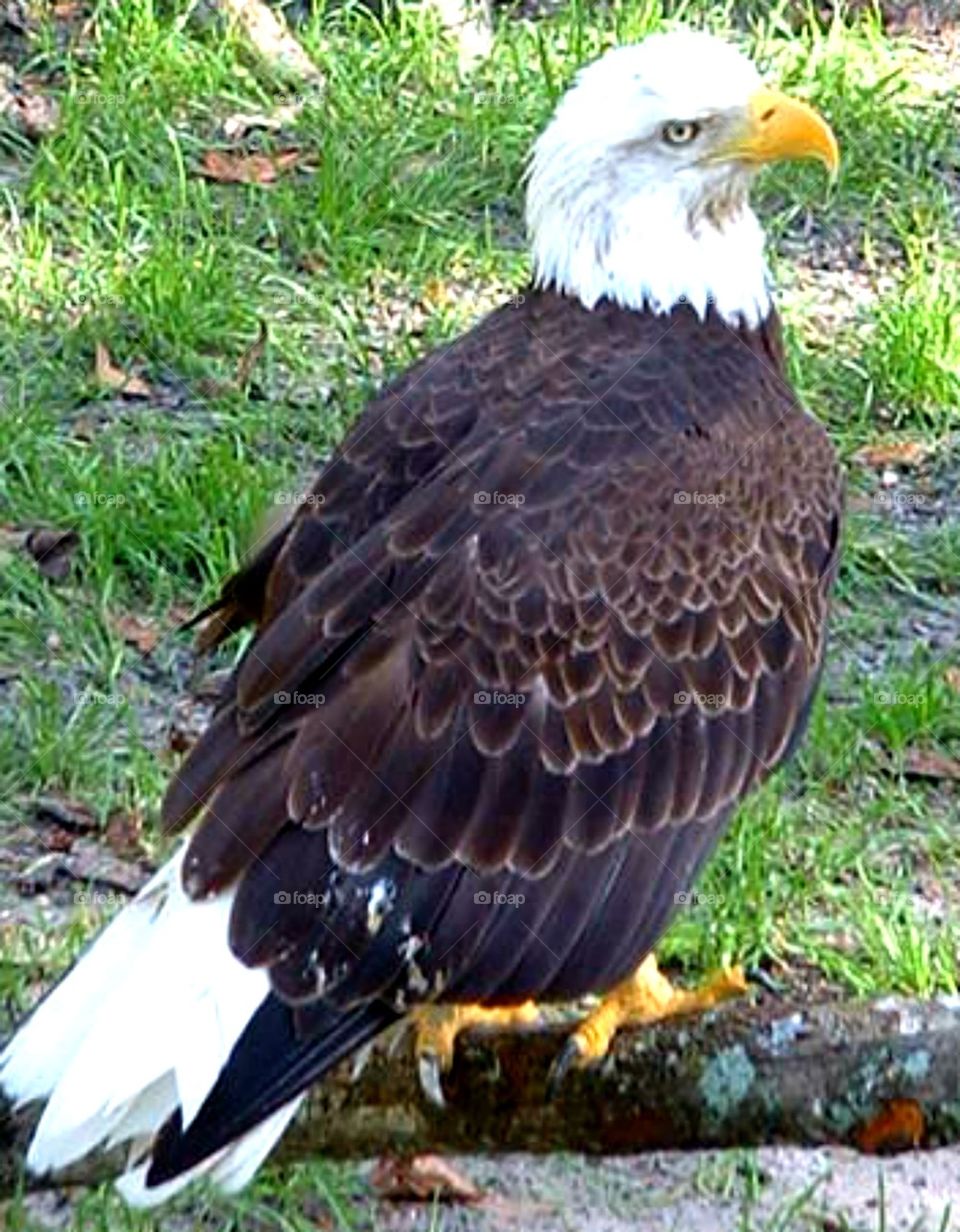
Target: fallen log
<point x="882" y="1077"/>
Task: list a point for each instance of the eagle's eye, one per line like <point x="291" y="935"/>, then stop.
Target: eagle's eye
<point x="680" y="132"/>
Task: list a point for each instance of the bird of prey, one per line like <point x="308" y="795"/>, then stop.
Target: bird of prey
<point x="552" y="609"/>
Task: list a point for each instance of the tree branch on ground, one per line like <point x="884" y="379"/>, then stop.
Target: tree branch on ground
<point x="883" y="1077"/>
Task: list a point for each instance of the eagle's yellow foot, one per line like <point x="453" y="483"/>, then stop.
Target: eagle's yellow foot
<point x="436" y="1028"/>
<point x="645" y="997"/>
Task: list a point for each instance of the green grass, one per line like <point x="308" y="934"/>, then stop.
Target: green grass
<point x="913" y="352"/>
<point x="404" y="225"/>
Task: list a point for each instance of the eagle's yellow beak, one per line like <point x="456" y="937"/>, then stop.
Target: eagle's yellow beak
<point x="781" y="127"/>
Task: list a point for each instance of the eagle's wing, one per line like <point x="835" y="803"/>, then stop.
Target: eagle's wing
<point x="556" y="592"/>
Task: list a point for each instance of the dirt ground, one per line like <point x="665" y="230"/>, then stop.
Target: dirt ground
<point x="774" y="1189"/>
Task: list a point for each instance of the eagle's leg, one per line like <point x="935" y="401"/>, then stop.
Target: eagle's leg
<point x="643" y="998"/>
<point x="436" y="1028"/>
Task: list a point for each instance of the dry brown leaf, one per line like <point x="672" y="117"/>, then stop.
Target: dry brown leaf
<point x="924" y="764"/>
<point x="138" y="631"/>
<point x="211" y="387"/>
<point x="37" y="114"/>
<point x="34" y="113"/>
<point x="893" y="453"/>
<point x="423" y="1178"/>
<point x="899" y="1126"/>
<point x="430" y="1178"/>
<point x="52" y="550"/>
<point x="124" y="834"/>
<point x="108" y="374"/>
<point x="58" y="839"/>
<point x="952" y="677"/>
<point x="246" y="168"/>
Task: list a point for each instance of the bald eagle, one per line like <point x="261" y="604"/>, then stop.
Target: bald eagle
<point x="552" y="609"/>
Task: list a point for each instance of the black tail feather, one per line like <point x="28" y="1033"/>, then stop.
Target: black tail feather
<point x="270" y="1064"/>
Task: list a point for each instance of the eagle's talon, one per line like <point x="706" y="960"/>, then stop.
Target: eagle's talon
<point x="429" y="1072"/>
<point x="436" y="1028"/>
<point x="644" y="998"/>
<point x="567" y="1058"/>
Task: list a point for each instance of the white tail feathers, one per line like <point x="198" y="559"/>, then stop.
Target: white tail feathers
<point x="230" y="1169"/>
<point x="143" y="1024"/>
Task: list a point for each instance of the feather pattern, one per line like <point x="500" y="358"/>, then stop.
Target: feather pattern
<point x="580" y="615"/>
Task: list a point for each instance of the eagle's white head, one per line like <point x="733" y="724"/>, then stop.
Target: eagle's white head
<point x="638" y="187"/>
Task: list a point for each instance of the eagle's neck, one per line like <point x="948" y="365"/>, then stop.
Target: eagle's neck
<point x="643" y="248"/>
